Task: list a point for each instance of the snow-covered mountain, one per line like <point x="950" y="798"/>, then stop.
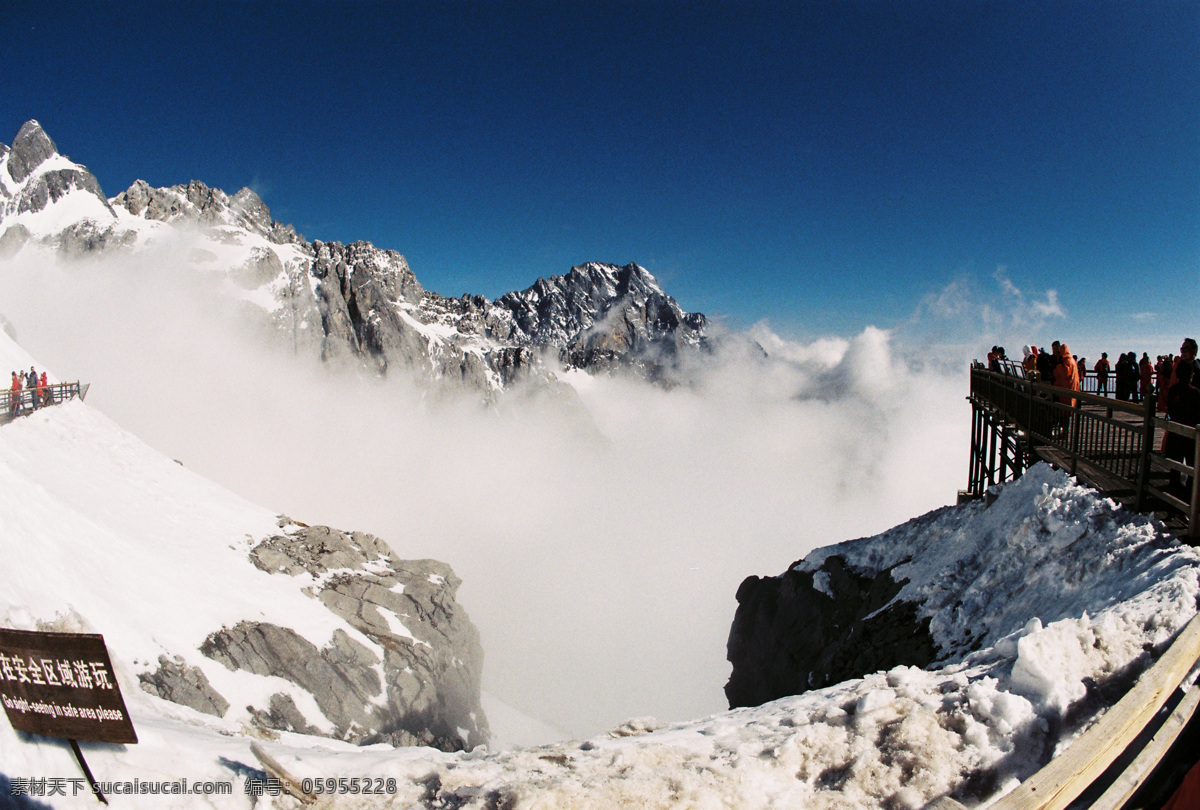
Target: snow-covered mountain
<point x="352" y="301"/>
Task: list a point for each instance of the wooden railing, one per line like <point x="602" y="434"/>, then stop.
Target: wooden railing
<point x="1019" y="420"/>
<point x="1110" y="762"/>
<point x="18" y="403"/>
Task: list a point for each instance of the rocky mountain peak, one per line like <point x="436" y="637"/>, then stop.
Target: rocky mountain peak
<point x="30" y="149"/>
<point x="33" y="175"/>
<point x="605" y="316"/>
<point x="556" y="309"/>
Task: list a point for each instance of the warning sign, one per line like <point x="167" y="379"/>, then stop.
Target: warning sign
<point x="62" y="685"/>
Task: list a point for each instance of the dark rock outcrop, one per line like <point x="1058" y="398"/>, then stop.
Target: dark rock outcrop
<point x="31" y="148"/>
<point x="809" y="629"/>
<point x="340" y="677"/>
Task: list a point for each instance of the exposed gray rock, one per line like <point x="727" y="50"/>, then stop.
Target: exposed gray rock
<point x="603" y="317"/>
<point x="262" y="267"/>
<point x="282" y="715"/>
<point x="12" y="239"/>
<point x="197" y="204"/>
<point x="357" y="289"/>
<point x="298" y="318"/>
<point x="430" y="652"/>
<point x="789" y="635"/>
<point x="341" y="677"/>
<point x="179" y="683"/>
<point x="86" y="236"/>
<point x="30" y="149"/>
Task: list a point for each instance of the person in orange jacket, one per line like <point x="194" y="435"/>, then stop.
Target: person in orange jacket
<point x="15" y="394"/>
<point x="43" y="391"/>
<point x="1066" y="374"/>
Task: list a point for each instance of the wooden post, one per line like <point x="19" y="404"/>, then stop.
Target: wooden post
<point x="1143" y="479"/>
<point x="87" y="771"/>
<point x="1074" y="439"/>
<point x="1029" y="440"/>
<point x="975" y="433"/>
<point x="1194" y="517"/>
<point x="991" y="453"/>
<point x="1003" y="452"/>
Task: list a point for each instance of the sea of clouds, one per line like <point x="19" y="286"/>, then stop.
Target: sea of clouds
<point x="600" y="536"/>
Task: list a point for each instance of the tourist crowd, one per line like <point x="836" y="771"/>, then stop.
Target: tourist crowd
<point x="40" y="391"/>
<point x="1172" y="381"/>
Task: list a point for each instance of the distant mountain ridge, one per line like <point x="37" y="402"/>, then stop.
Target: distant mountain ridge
<point x="355" y="301"/>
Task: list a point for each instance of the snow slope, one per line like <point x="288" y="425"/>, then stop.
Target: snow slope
<point x="1058" y="588"/>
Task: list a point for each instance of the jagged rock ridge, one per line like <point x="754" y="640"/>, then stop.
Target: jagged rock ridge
<point x="357" y="301"/>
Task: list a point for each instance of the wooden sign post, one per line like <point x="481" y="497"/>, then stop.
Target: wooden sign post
<point x="63" y="685"/>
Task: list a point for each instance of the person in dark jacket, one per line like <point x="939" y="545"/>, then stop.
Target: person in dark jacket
<point x="1183" y="406"/>
<point x="1187" y="356"/>
<point x="1127" y="375"/>
<point x="1045" y="366"/>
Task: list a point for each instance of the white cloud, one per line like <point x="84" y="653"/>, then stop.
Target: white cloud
<point x="601" y="542"/>
<point x="1050" y="308"/>
<point x="969" y="315"/>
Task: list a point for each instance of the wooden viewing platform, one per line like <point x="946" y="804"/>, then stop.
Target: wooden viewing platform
<point x="55" y="394"/>
<point x="1111" y="444"/>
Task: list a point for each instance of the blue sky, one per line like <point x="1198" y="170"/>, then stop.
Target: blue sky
<point x="821" y="165"/>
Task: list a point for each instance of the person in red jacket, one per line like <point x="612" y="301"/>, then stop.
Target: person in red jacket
<point x="43" y="391"/>
<point x="1147" y="371"/>
<point x="1102" y="367"/>
<point x="1162" y="376"/>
